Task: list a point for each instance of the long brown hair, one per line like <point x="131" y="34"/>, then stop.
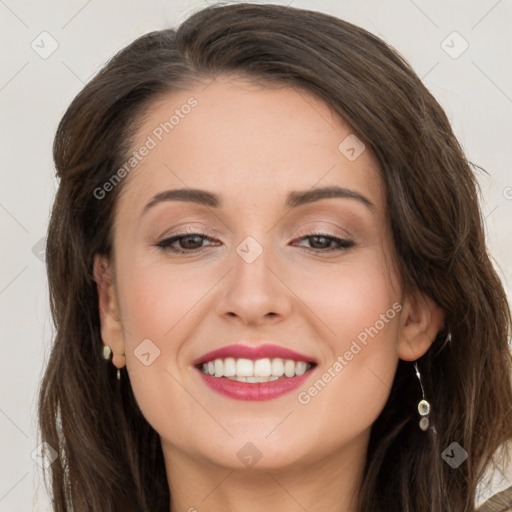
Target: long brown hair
<point x="110" y="458"/>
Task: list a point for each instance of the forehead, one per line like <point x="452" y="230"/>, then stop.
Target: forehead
<point x="231" y="137"/>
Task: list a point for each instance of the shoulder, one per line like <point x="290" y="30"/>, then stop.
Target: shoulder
<point x="500" y="502"/>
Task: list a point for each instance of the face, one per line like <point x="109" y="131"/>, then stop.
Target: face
<point x="262" y="258"/>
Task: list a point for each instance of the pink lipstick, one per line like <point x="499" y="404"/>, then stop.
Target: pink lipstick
<point x="254" y="373"/>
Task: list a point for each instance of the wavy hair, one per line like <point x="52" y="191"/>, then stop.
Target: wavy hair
<point x="110" y="458"/>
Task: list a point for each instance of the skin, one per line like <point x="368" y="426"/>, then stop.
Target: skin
<point x="252" y="145"/>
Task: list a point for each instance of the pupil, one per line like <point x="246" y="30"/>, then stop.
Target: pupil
<point x="186" y="241"/>
<point x="321" y="238"/>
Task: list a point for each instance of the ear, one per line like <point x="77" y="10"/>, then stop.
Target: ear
<point x="111" y="329"/>
<point x="422" y="319"/>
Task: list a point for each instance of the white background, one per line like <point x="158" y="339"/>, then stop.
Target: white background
<point x="475" y="89"/>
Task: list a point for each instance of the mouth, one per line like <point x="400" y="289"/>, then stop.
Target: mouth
<point x="242" y="373"/>
<point x="255" y="371"/>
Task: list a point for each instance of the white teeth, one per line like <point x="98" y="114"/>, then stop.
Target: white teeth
<point x="260" y="370"/>
<point x="262" y="367"/>
<point x="253" y="379"/>
<point x="219" y="367"/>
<point x="301" y="367"/>
<point x="244" y="368"/>
<point x="289" y="368"/>
<point x="229" y="367"/>
<point x="277" y="367"/>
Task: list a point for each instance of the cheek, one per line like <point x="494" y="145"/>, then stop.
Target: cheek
<point x="357" y="296"/>
<point x="361" y="311"/>
<point x="161" y="307"/>
<point x="157" y="301"/>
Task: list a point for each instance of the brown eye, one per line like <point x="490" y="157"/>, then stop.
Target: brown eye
<point x="183" y="242"/>
<point x="190" y="242"/>
<point x="322" y="242"/>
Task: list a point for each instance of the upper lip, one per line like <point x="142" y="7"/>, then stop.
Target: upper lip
<point x="253" y="352"/>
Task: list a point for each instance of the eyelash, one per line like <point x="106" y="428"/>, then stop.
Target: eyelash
<point x="166" y="244"/>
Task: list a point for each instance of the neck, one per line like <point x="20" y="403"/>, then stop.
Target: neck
<point x="329" y="483"/>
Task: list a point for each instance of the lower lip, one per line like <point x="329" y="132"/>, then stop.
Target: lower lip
<point x="254" y="391"/>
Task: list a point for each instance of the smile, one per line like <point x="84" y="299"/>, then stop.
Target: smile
<point x="261" y="370"/>
<point x="242" y="375"/>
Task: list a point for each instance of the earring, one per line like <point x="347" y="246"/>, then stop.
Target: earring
<point x="119" y="369"/>
<point x="423" y="405"/>
<point x="106" y="352"/>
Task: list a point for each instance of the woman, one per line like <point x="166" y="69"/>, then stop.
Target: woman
<point x="269" y="280"/>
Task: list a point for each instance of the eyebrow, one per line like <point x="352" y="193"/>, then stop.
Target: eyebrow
<point x="294" y="199"/>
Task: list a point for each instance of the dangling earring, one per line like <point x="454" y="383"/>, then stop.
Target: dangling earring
<point x="119" y="369"/>
<point x="106" y="352"/>
<point x="423" y="405"/>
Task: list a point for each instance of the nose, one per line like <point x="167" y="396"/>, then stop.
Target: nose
<point x="255" y="292"/>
